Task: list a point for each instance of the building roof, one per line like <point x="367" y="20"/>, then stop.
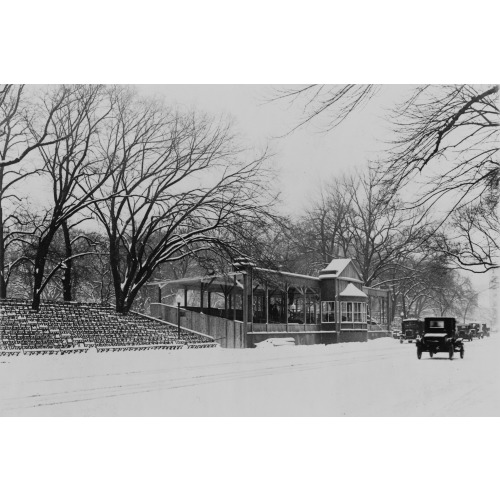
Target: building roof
<point x="336" y="266"/>
<point x="352" y="291"/>
<point x="210" y="282"/>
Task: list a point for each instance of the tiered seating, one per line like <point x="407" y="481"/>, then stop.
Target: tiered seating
<point x="65" y="328"/>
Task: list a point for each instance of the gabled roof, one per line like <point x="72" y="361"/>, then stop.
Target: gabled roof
<point x="352" y="291"/>
<point x="337" y="267"/>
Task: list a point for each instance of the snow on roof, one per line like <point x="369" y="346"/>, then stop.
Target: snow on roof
<point x="352" y="291"/>
<point x="336" y="266"/>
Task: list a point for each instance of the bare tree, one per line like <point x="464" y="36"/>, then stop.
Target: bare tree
<point x="377" y="232"/>
<point x="25" y="126"/>
<point x="448" y="137"/>
<point x="322" y="233"/>
<point x="180" y="184"/>
<point x="332" y="103"/>
<point x="69" y="164"/>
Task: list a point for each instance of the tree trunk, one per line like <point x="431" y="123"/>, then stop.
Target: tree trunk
<point x="114" y="264"/>
<point x="40" y="260"/>
<point x="38" y="280"/>
<point x="66" y="281"/>
<point x="3" y="285"/>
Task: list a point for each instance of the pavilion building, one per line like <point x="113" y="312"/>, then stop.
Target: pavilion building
<point x="251" y="304"/>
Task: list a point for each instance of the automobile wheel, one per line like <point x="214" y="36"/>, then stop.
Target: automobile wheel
<point x="400" y="341"/>
<point x="462" y="353"/>
<point x="419" y="353"/>
<point x="431" y="354"/>
<point x="452" y="351"/>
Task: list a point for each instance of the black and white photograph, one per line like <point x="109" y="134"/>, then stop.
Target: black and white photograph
<point x="198" y="254"/>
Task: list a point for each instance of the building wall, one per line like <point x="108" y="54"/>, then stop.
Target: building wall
<point x="350" y="272"/>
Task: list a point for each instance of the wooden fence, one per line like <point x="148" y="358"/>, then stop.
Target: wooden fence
<point x="225" y="332"/>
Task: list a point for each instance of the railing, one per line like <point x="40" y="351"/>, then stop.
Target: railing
<point x="283" y="327"/>
<point x="174" y="326"/>
<point x="226" y="332"/>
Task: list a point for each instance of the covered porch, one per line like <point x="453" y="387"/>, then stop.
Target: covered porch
<point x="263" y="300"/>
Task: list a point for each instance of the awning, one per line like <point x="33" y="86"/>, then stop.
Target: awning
<point x="352" y="291"/>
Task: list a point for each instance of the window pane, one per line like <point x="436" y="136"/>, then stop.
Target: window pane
<point x="349" y="311"/>
<point x="328" y="312"/>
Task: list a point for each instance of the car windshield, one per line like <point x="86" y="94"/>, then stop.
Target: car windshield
<point x="436" y="324"/>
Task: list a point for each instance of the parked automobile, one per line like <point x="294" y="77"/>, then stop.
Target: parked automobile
<point x="474" y="329"/>
<point x="464" y="335"/>
<point x="475" y="334"/>
<point x="411" y="328"/>
<point x="440" y="336"/>
<point x="396" y="334"/>
<point x="464" y="332"/>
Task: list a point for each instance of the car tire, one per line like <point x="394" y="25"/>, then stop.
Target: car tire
<point x="400" y="341"/>
<point x="431" y="354"/>
<point x="462" y="353"/>
<point x="419" y="353"/>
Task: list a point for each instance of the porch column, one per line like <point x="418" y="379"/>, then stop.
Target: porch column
<point x="234" y="310"/>
<point x="338" y="312"/>
<point x="244" y="306"/>
<point x="267" y="305"/>
<point x="286" y="307"/>
<point x="251" y="300"/>
<point x="304" y="298"/>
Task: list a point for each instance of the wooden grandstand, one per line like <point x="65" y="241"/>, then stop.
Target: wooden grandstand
<point x="72" y="328"/>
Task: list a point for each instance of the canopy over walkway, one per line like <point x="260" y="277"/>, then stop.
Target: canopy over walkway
<point x="252" y="302"/>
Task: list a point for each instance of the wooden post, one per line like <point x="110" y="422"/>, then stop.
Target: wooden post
<point x="251" y="300"/>
<point x="304" y="296"/>
<point x="245" y="308"/>
<point x="267" y="306"/>
<point x="201" y="297"/>
<point x="208" y="317"/>
<point x="159" y="294"/>
<point x="338" y="312"/>
<point x="234" y="310"/>
<point x="179" y="320"/>
<point x="286" y="307"/>
<point x="185" y="297"/>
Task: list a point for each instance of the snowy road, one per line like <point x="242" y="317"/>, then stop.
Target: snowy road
<point x="377" y="378"/>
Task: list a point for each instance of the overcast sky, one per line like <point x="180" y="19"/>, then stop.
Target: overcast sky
<point x="305" y="157"/>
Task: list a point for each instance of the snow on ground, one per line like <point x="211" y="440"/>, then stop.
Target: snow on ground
<point x="377" y="378"/>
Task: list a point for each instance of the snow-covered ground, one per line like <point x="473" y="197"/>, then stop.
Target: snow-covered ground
<point x="377" y="378"/>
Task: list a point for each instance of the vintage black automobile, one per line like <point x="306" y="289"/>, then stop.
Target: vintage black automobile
<point x="485" y="329"/>
<point x="411" y="328"/>
<point x="464" y="332"/>
<point x="474" y="331"/>
<point x="440" y="336"/>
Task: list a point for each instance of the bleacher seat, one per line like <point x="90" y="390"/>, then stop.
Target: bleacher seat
<point x="68" y="328"/>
